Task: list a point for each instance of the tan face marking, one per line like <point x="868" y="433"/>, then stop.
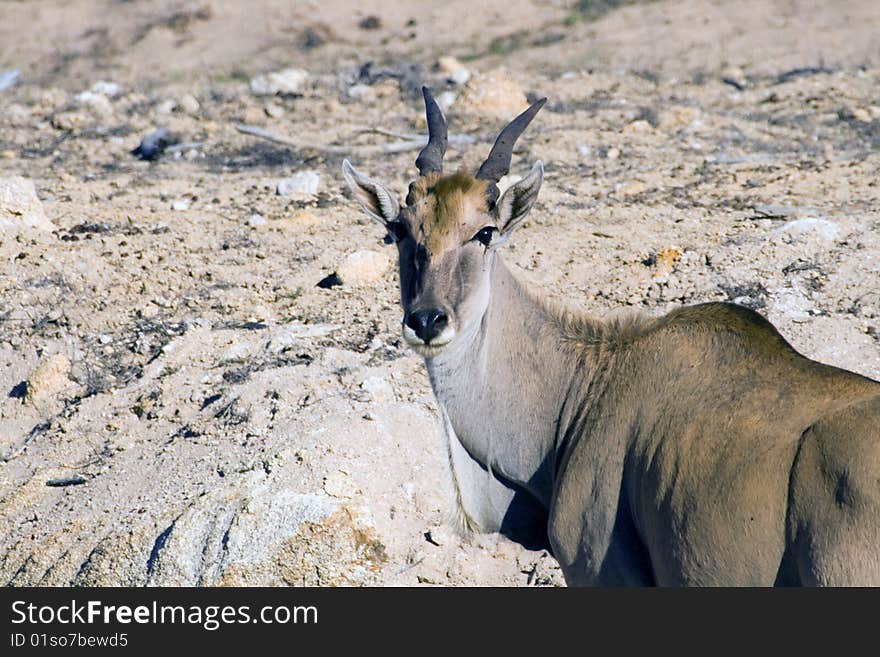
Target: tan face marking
<point x="446" y="210"/>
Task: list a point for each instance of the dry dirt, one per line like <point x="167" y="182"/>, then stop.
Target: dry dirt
<point x="182" y="404"/>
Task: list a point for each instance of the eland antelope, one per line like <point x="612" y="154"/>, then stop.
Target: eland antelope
<point x="695" y="448"/>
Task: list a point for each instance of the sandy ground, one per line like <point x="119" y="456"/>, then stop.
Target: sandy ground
<point x="204" y="413"/>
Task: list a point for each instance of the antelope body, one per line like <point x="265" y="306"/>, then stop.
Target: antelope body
<point x="697" y="448"/>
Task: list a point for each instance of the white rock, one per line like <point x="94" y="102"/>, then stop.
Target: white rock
<point x="363" y="267"/>
<point x="189" y="104"/>
<point x="96" y="103"/>
<point x="446" y="100"/>
<point x="166" y="106"/>
<point x="257" y="220"/>
<point x="287" y="81"/>
<point x="274" y="111"/>
<point x="288" y="335"/>
<point x="379" y="388"/>
<point x="180" y="206"/>
<point x="339" y="484"/>
<point x="109" y="89"/>
<point x="362" y="92"/>
<point x="19" y="206"/>
<point x="7" y="79"/>
<point x="303" y="182"/>
<point x="821" y="228"/>
<point x="460" y="76"/>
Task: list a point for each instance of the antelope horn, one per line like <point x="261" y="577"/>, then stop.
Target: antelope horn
<point x="498" y="163"/>
<point x="430" y="159"/>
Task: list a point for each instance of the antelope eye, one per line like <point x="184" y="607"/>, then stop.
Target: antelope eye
<point x="484" y="235"/>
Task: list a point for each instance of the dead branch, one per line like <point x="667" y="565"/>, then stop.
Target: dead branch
<point x="412" y="143"/>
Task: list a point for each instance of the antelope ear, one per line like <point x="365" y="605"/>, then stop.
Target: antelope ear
<point x="515" y="203"/>
<point x="379" y="203"/>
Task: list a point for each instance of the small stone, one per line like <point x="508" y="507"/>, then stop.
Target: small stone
<point x="49" y="377"/>
<point x="19" y="206"/>
<point x="639" y="126"/>
<point x="613" y="153"/>
<point x="363" y="267"/>
<point x="302" y="183"/>
<point x="379" y="388"/>
<point x="189" y="104"/>
<point x="303" y="219"/>
<point x="7" y="155"/>
<point x="822" y="228"/>
<point x="494" y="94"/>
<point x="631" y="188"/>
<point x="370" y="23"/>
<point x="460" y="77"/>
<point x="166" y="106"/>
<point x="287" y="81"/>
<point x="69" y="121"/>
<point x="339" y="484"/>
<point x="274" y="111"/>
<point x="97" y="104"/>
<point x="861" y="114"/>
<point x="439" y="536"/>
<point x="449" y="64"/>
<point x="256" y="220"/>
<point x="446" y="100"/>
<point x="362" y="92"/>
<point x="109" y="89"/>
<point x="254" y="116"/>
<point x="180" y="206"/>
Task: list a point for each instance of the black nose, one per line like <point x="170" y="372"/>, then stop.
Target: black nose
<point x="427" y="324"/>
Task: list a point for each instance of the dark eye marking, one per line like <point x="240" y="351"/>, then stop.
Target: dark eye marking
<point x="397" y="230"/>
<point x="484" y="235"/>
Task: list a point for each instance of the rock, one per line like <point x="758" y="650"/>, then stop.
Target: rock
<point x="303" y="183"/>
<point x="49" y="378"/>
<point x="494" y="94"/>
<point x="371" y="22"/>
<point x="180" y="206"/>
<point x="363" y="267"/>
<point x="613" y="153"/>
<point x="446" y="100"/>
<point x="256" y="532"/>
<point x="256" y="220"/>
<point x="273" y="111"/>
<point x="189" y="104"/>
<point x="302" y="219"/>
<point x="339" y="484"/>
<point x="287" y="81"/>
<point x="362" y="92"/>
<point x="454" y="70"/>
<point x="7" y="79"/>
<point x="97" y="104"/>
<point x="166" y="106"/>
<point x="449" y="64"/>
<point x="69" y="121"/>
<point x="154" y="144"/>
<point x="108" y="89"/>
<point x="440" y="535"/>
<point x="639" y="126"/>
<point x="379" y="388"/>
<point x="631" y="188"/>
<point x="822" y="228"/>
<point x="291" y="333"/>
<point x="19" y="206"/>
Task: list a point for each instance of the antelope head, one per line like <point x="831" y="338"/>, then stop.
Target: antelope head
<point x="448" y="232"/>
